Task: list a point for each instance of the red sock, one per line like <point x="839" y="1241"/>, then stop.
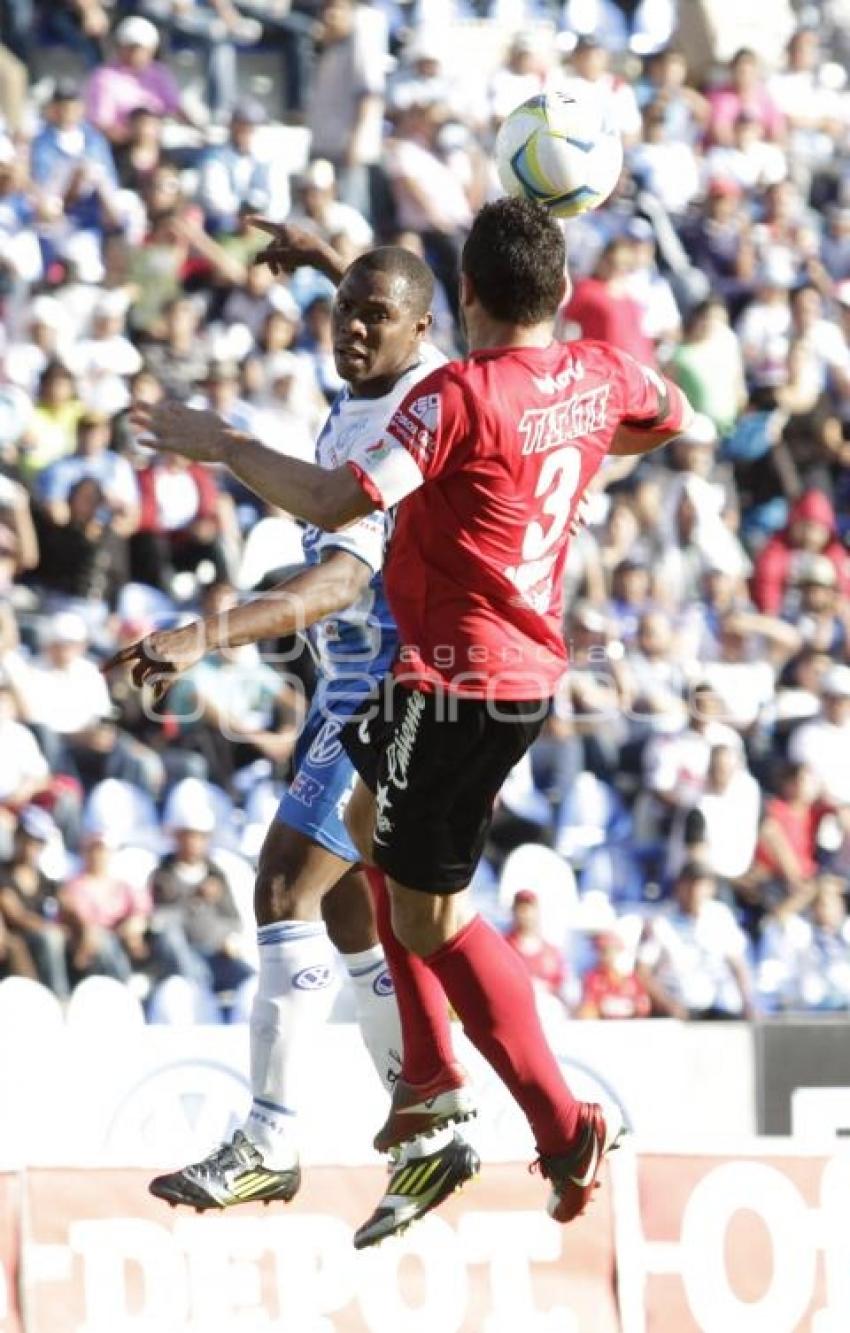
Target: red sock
<point x="425" y="1028"/>
<point x="490" y="989"/>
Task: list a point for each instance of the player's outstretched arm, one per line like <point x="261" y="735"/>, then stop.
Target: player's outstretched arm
<point x="329" y="498"/>
<point x="294" y="247"/>
<point x="286" y="609"/>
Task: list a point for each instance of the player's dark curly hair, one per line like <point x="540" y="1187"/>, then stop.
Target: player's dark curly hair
<point x="515" y="259"/>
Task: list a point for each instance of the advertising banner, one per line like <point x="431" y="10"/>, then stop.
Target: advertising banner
<point x="751" y="1243"/>
<point x="9" y="1252"/>
<point x="103" y="1256"/>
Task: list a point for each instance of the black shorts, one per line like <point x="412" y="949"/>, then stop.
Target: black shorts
<point x="436" y="763"/>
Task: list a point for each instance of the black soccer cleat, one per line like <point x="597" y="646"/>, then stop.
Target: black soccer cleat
<point x="234" y="1173"/>
<point x="416" y="1187"/>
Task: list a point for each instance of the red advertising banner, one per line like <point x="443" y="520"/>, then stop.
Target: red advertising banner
<point x="747" y="1244"/>
<point x="9" y="1252"/>
<point x="102" y="1256"/>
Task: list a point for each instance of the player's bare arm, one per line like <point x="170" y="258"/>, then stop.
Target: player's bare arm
<point x="328" y="498"/>
<point x="288" y="608"/>
<point x="293" y="247"/>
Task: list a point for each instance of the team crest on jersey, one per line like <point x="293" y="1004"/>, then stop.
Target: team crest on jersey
<point x="426" y="410"/>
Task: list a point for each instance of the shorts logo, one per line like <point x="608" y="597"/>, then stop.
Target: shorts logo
<point x="383" y="823"/>
<point x="383" y="984"/>
<point x="326" y="747"/>
<point x="305" y="790"/>
<point x="400" y="749"/>
<point x="312" y="978"/>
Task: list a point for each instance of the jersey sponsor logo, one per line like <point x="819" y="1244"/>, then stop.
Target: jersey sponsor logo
<point x="312" y="978"/>
<point x="550" y="384"/>
<point x="545" y="428"/>
<point x="326" y="747"/>
<point x="533" y="581"/>
<point x="305" y="790"/>
<point x="417" y="439"/>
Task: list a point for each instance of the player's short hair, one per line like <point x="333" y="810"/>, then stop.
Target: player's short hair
<point x="515" y="258"/>
<point x="400" y="263"/>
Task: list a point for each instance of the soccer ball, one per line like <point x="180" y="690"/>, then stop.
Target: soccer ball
<point x="564" y="152"/>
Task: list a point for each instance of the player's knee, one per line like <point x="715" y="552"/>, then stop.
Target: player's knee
<point x="348" y="915"/>
<point x="359" y="821"/>
<point x="416" y="925"/>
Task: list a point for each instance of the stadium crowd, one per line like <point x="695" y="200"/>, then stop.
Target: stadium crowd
<point x="678" y="842"/>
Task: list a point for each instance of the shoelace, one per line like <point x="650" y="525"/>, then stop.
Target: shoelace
<point x="238" y="1152"/>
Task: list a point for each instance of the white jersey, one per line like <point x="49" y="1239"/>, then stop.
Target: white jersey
<point x="358" y="644"/>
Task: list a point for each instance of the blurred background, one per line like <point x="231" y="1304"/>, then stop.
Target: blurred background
<point x="677" y="844"/>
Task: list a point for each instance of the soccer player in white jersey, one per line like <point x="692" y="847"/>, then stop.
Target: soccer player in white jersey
<point x="305" y="873"/>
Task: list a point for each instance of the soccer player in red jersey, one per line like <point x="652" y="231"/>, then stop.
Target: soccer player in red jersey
<point x="485" y="461"/>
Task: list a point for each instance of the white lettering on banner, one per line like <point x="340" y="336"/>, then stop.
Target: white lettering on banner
<point x="204" y="1276"/>
<point x="713" y="1203"/>
<point x="444" y="1280"/>
<point x="510" y="1243"/>
<point x="545" y="428"/>
<point x="106" y="1248"/>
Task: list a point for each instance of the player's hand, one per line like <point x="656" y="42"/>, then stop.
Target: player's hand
<point x="291" y="247"/>
<point x="579" y="518"/>
<point x="173" y="428"/>
<point x="159" y="658"/>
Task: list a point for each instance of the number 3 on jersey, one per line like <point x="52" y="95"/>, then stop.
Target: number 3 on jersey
<point x="556" y="488"/>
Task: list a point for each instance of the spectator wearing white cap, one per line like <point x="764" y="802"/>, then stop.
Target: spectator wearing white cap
<point x="195" y="928"/>
<point x="235" y="175"/>
<point x="132" y="79"/>
<point x="814" y="607"/>
<point x="72" y="164"/>
<point x="521" y="75"/>
<point x="318" y="210"/>
<point x="213" y="28"/>
<point x="824" y="744"/>
<point x="105" y="359"/>
<point x="29" y="909"/>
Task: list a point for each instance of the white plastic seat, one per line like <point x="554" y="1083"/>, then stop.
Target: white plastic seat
<point x="127" y="812"/>
<point x="273" y="543"/>
<point x="102" y="1004"/>
<point x="28" y="1010"/>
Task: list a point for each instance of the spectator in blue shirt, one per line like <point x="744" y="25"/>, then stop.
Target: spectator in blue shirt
<point x="73" y="160"/>
<point x="233" y="175"/>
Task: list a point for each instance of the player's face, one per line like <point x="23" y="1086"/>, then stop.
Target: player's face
<point x="375" y="333"/>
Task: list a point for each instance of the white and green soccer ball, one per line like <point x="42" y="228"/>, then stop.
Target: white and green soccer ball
<point x="562" y="151"/>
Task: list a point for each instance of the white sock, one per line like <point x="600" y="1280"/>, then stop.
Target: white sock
<point x="377" y="1011"/>
<point x="295" y="993"/>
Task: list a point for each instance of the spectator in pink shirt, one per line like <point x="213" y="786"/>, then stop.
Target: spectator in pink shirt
<point x="744" y="94"/>
<point x="133" y="80"/>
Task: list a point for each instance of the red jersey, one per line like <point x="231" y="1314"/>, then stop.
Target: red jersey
<point x="617" y="320"/>
<point x="486" y="460"/>
<point x="615" y="996"/>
